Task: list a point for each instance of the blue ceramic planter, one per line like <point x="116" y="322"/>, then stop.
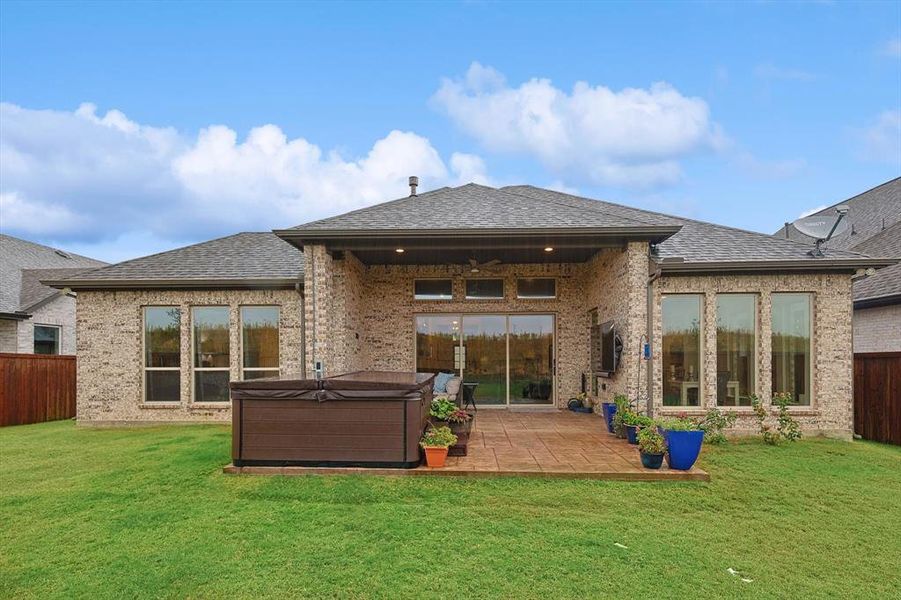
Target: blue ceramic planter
<point x="651" y="461"/>
<point x="683" y="448"/>
<point x="632" y="434"/>
<point x="609" y="409"/>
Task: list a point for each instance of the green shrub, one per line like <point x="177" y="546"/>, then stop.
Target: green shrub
<point x="651" y="442"/>
<point x="680" y="423"/>
<point x="786" y="426"/>
<point x="438" y="437"/>
<point x="715" y="421"/>
<point x="442" y="408"/>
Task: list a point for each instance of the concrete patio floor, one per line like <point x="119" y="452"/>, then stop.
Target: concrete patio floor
<point x="529" y="443"/>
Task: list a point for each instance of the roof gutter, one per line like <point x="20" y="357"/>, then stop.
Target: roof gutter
<point x="14" y="316"/>
<point x="173" y="284"/>
<point x="762" y="266"/>
<point x="876" y="301"/>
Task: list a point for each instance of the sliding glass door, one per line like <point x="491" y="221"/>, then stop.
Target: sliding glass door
<point x="510" y="357"/>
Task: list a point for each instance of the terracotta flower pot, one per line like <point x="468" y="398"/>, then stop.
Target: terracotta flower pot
<point x="435" y="456"/>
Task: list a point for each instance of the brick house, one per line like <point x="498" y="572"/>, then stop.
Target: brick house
<point x="525" y="291"/>
<point x="35" y="318"/>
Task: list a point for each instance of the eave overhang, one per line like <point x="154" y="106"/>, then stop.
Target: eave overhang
<point x="14" y="316"/>
<point x="819" y="265"/>
<point x="876" y="301"/>
<point x="176" y="284"/>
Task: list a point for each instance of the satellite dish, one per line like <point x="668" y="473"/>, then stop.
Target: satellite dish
<point x="823" y="228"/>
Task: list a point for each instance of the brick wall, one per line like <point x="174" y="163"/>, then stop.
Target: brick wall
<point x="110" y="362"/>
<point x="59" y="311"/>
<point x="878" y="329"/>
<point x="831" y="409"/>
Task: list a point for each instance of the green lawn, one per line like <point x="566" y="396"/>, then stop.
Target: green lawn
<point x="148" y="513"/>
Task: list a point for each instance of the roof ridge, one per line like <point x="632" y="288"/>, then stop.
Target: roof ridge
<point x="505" y="188"/>
<point x="846" y="200"/>
<point x="356" y="210"/>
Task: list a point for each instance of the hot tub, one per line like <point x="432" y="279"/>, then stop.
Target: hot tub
<point x="361" y="419"/>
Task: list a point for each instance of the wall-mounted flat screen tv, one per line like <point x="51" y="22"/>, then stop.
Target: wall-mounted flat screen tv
<point x="609" y="348"/>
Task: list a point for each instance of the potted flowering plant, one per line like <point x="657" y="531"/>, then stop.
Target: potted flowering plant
<point x="634" y="422"/>
<point x="683" y="441"/>
<point x="652" y="447"/>
<point x="446" y="413"/>
<point x="435" y="443"/>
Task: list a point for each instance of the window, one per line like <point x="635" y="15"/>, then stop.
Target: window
<point x="433" y="289"/>
<point x="681" y="315"/>
<point x="791" y="346"/>
<point x="162" y="354"/>
<point x="46" y="339"/>
<point x="480" y="289"/>
<point x="736" y="344"/>
<point x="536" y="288"/>
<point x="211" y="353"/>
<point x="259" y="341"/>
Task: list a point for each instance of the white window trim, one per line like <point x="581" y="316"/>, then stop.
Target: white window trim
<point x="702" y="375"/>
<point x="811" y="349"/>
<point x="755" y="366"/>
<point x="195" y="369"/>
<point x="244" y="369"/>
<point x="59" y="337"/>
<point x="144" y="366"/>
<point x="519" y="296"/>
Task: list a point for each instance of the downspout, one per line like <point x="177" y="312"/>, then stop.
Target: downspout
<point x="650" y="337"/>
<point x="298" y="287"/>
<point x="312" y="265"/>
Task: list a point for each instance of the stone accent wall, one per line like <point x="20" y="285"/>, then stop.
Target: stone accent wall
<point x="831" y="408"/>
<point x="110" y="342"/>
<point x="878" y="329"/>
<point x="59" y="311"/>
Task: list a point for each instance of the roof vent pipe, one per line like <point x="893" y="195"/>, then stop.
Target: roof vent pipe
<point x="414" y="181"/>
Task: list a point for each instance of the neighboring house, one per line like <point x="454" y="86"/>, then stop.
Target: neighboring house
<point x="35" y="318"/>
<point x="513" y="288"/>
<point x="875" y="218"/>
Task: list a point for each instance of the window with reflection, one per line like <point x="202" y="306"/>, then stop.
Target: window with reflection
<point x="211" y="353"/>
<point x="484" y="289"/>
<point x="536" y="288"/>
<point x="433" y="289"/>
<point x="791" y="347"/>
<point x="259" y="341"/>
<point x="681" y="317"/>
<point x="162" y="354"/>
<point x="736" y="343"/>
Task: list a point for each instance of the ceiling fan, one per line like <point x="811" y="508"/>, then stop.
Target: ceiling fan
<point x="475" y="266"/>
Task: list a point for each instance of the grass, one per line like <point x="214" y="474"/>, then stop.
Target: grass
<point x="148" y="513"/>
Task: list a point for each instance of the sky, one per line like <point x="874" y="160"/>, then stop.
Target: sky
<point x="133" y="128"/>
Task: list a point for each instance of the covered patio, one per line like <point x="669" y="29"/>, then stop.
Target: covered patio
<point x="546" y="443"/>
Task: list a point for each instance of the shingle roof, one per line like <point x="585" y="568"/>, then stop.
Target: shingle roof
<point x="875" y="218"/>
<point x="19" y="290"/>
<point x="697" y="241"/>
<point x="475" y="207"/>
<point x="243" y="259"/>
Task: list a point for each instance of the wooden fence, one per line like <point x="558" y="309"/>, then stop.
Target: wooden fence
<point x="35" y="388"/>
<point x="877" y="396"/>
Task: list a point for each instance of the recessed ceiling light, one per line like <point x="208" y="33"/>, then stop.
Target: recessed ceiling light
<point x="548" y="249"/>
<point x="399" y="250"/>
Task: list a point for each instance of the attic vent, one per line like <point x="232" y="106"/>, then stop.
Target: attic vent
<point x="63" y="254"/>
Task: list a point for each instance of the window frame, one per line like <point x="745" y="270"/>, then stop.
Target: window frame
<point x="145" y="368"/>
<point x="811" y="345"/>
<point x="59" y="337"/>
<point x="519" y="295"/>
<point x="466" y="295"/>
<point x="755" y="363"/>
<point x="195" y="369"/>
<point x="702" y="349"/>
<point x="277" y="370"/>
<point x="439" y="299"/>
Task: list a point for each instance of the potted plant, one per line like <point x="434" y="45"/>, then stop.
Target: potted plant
<point x="460" y="424"/>
<point x="441" y="408"/>
<point x="683" y="442"/>
<point x="435" y="443"/>
<point x="609" y="410"/>
<point x="633" y="422"/>
<point x="652" y="447"/>
<point x="621" y="407"/>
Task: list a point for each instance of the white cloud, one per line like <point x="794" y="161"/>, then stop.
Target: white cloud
<point x="891" y="48"/>
<point x="771" y="72"/>
<point x="881" y="140"/>
<point x="632" y="137"/>
<point x="82" y="178"/>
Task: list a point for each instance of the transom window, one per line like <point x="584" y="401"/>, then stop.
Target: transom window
<point x="162" y="354"/>
<point x="736" y="348"/>
<point x="536" y="287"/>
<point x="433" y="289"/>
<point x="480" y="289"/>
<point x="791" y="347"/>
<point x="211" y="353"/>
<point x="682" y="326"/>
<point x="259" y="341"/>
<point x="46" y="339"/>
